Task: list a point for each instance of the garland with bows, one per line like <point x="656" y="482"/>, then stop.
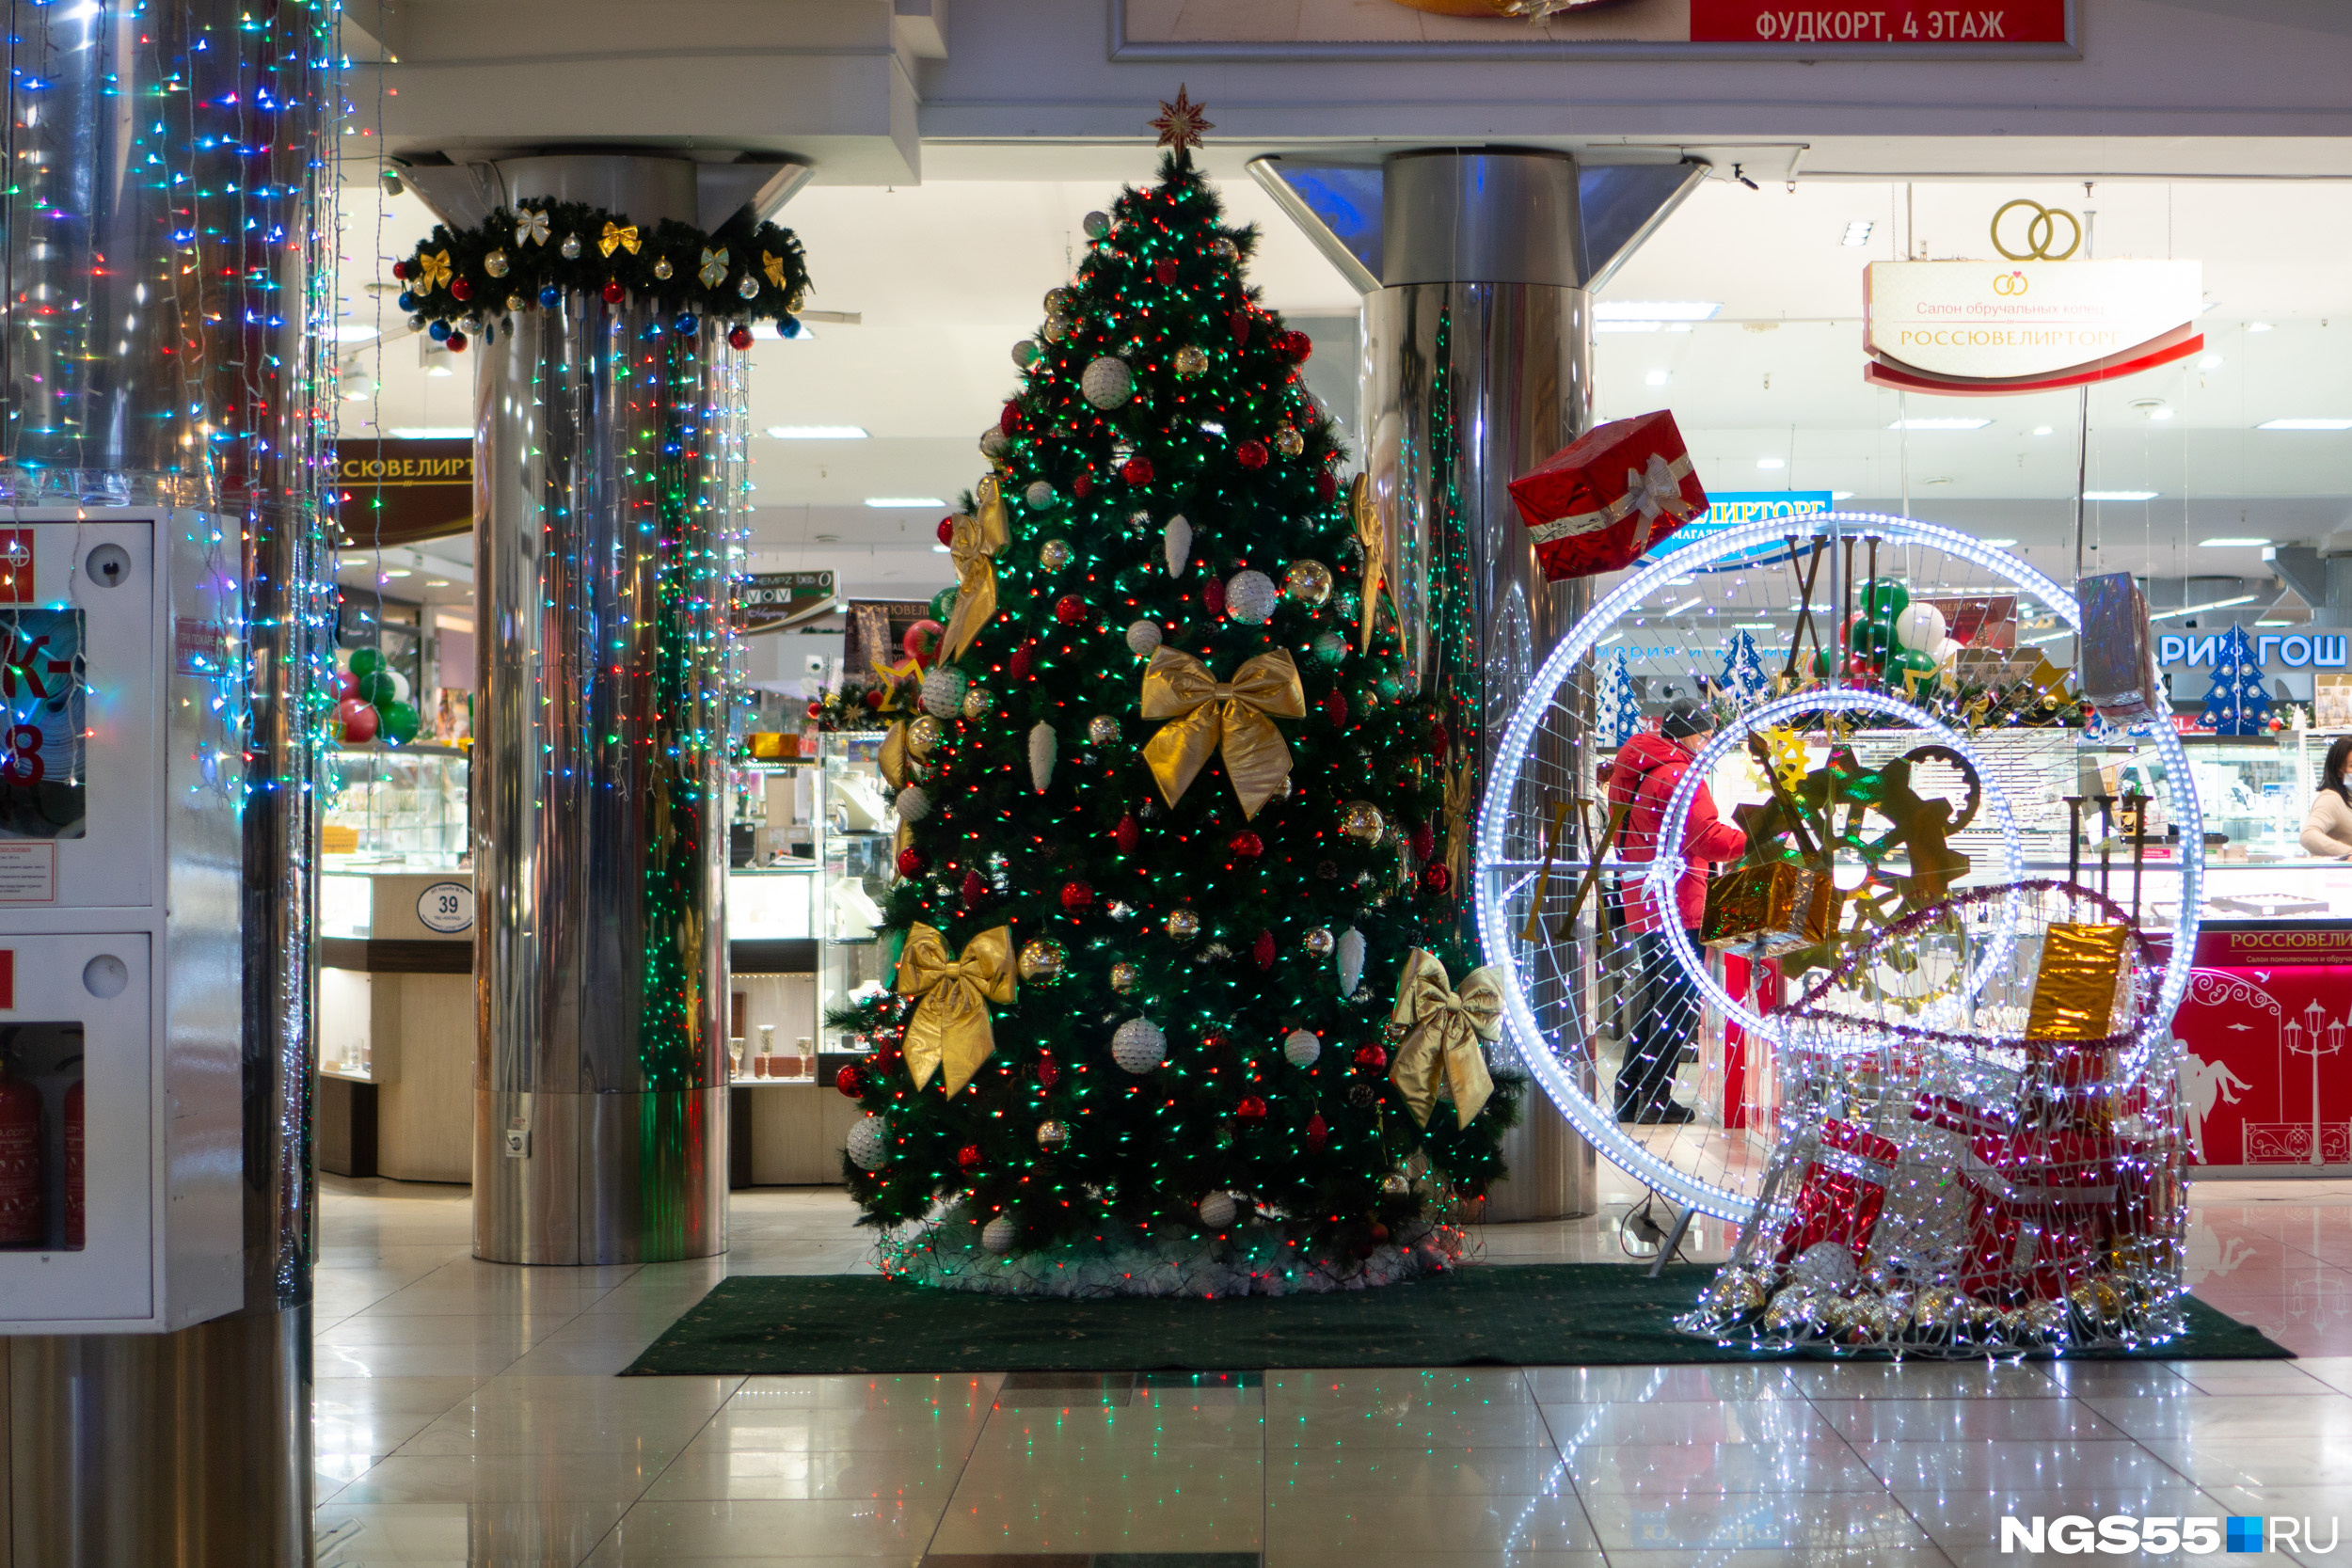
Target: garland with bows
<point x="508" y="261"/>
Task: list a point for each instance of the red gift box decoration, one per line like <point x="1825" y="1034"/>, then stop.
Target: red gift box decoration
<point x="1597" y="503"/>
<point x="1841" y="1192"/>
<point x="2041" y="1210"/>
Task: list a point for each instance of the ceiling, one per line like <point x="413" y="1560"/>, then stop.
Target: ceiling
<point x="945" y="276"/>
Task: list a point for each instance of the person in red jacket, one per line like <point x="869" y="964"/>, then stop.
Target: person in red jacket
<point x="1663" y="1005"/>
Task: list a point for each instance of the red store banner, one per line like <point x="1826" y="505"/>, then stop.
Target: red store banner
<point x="1761" y="22"/>
<point x="2265" y="1073"/>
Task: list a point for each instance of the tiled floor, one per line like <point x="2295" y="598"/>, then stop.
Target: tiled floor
<point x="468" y="1414"/>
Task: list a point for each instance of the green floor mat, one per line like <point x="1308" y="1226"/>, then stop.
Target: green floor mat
<point x="1561" y="1314"/>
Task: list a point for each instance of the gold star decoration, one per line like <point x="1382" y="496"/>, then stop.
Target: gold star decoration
<point x="1180" y="123"/>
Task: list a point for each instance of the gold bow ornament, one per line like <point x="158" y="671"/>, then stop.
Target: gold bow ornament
<point x="531" y="227"/>
<point x="950" y="1028"/>
<point x="1443" y="1028"/>
<point x="1461" y="798"/>
<point x="973" y="542"/>
<point x="714" y="267"/>
<point x="773" y="264"/>
<point x="617" y="235"/>
<point x="1373" y="540"/>
<point x="1205" y="715"/>
<point x="432" y="271"/>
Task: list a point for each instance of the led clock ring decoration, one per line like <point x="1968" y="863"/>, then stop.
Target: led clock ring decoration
<point x="1585" y="984"/>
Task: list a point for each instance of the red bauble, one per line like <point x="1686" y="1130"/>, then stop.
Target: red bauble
<point x="1137" y="471"/>
<point x="1008" y="419"/>
<point x="400" y="269"/>
<point x="1293" y="346"/>
<point x="873" y="696"/>
<point x="1326" y="486"/>
<point x="1046" y="1072"/>
<point x="1424" y="841"/>
<point x="1371" y="1058"/>
<point x="460" y="287"/>
<point x="849" y="1081"/>
<point x="1251" y="1109"/>
<point x="972" y="889"/>
<point x="358" y="719"/>
<point x="1082" y="486"/>
<point x="456" y="343"/>
<point x="910" y="861"/>
<point x="614" y="292"/>
<point x="1251" y="453"/>
<point x="1018" y="665"/>
<point x="815" y="710"/>
<point x="739" y="336"/>
<point x="1380" y="1231"/>
<point x="1247" y="845"/>
<point x="1127" y="835"/>
<point x="968" y="1156"/>
<point x="947" y="529"/>
<point x="1069" y="610"/>
<point x="1317" y="1133"/>
<point x="1263" y="950"/>
<point x="1240" y="319"/>
<point x="1335" y="708"/>
<point x="1437" y="878"/>
<point x="1076" y="897"/>
<point x="1164" y="270"/>
<point x="1212" y="597"/>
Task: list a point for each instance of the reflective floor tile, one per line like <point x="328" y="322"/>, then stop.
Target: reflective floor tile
<point x="1504" y="1427"/>
<point x="486" y="1532"/>
<point x="2258" y="1463"/>
<point x="866" y="1390"/>
<point x="664" y="1533"/>
<point x="1705" y="1470"/>
<point x="1575" y="1426"/>
<point x="1964" y="1518"/>
<point x="1414" y="1473"/>
<point x="1788" y="1557"/>
<point x="1946" y="1421"/>
<point x="2027" y="1465"/>
<point x="1406" y="1526"/>
<point x="912" y="1428"/>
<point x="1451" y="1389"/>
<point x="1857" y="1522"/>
<point x="1660" y="1385"/>
<point x="1320" y="1555"/>
<point x="549" y="1478"/>
<point x="1208" y="1521"/>
<point x="1923" y="1380"/>
<point x="2197" y="1416"/>
<point x="710" y="1471"/>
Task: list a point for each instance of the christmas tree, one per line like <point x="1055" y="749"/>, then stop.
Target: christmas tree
<point x="1743" y="678"/>
<point x="1618" y="712"/>
<point x="2235" y="702"/>
<point x="1176" y="838"/>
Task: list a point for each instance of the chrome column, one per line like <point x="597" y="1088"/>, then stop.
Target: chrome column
<point x="600" y="959"/>
<point x="167" y="279"/>
<point x="1477" y="267"/>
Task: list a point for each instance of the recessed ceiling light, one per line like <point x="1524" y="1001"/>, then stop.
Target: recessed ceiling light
<point x="2211" y="362"/>
<point x="2200" y="608"/>
<point x="2041" y="430"/>
<point x="2274" y="622"/>
<point x="437" y="582"/>
<point x="397" y="571"/>
<point x="1841" y="495"/>
<point x="2257" y="326"/>
<point x="1656" y="309"/>
<point x="1998" y="544"/>
<point x="441" y="370"/>
<point x="817" y="432"/>
<point x="1753" y="626"/>
<point x="941" y="549"/>
<point x="1656" y="379"/>
<point x="1772" y="463"/>
<point x="2119" y="494"/>
<point x="1858" y="233"/>
<point x="432" y="432"/>
<point x="2305" y="424"/>
<point x="2230" y="541"/>
<point x="933" y="501"/>
<point x="351" y="332"/>
<point x="1628" y="326"/>
<point x="1939" y="424"/>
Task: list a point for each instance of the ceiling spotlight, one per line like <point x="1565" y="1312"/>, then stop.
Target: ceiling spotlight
<point x="1772" y="463"/>
<point x="1857" y="233"/>
<point x="1656" y="379"/>
<point x="2257" y="326"/>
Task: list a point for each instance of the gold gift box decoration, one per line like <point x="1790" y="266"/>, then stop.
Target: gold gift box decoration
<point x="2078" y="988"/>
<point x="1763" y="911"/>
<point x="768" y="745"/>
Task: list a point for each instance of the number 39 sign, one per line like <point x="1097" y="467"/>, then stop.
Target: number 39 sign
<point x="43" y="791"/>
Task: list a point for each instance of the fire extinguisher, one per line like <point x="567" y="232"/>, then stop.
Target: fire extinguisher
<point x="22" y="1222"/>
<point x="74" y="1211"/>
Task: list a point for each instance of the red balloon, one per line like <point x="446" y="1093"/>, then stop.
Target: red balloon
<point x="921" y="642"/>
<point x="346" y="685"/>
<point x="358" y="719"/>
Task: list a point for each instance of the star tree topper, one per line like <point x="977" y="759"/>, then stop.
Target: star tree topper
<point x="1180" y="123"/>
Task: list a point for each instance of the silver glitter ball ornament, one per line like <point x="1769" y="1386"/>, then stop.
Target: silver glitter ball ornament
<point x="1143" y="636"/>
<point x="1217" y="1210"/>
<point x="1038" y="496"/>
<point x="1095" y="225"/>
<point x="1138" y="1046"/>
<point x="748" y="287"/>
<point x="1102" y="729"/>
<point x="1250" y="597"/>
<point x="942" y="691"/>
<point x="868" y="1146"/>
<point x="1106" y="382"/>
<point x="570" y="248"/>
<point x="1301" y="1048"/>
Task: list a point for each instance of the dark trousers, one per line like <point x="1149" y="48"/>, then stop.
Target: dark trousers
<point x="1664" y="1016"/>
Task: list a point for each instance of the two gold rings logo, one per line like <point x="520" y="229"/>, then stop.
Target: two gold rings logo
<point x="2040" y="232"/>
<point x="2010" y="283"/>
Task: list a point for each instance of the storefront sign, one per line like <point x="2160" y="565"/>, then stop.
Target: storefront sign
<point x="2266" y="1079"/>
<point x="396" y="492"/>
<point x="1982" y="327"/>
<point x="770" y="601"/>
<point x="1180" y="29"/>
<point x="2293" y="651"/>
<point x="1734" y="508"/>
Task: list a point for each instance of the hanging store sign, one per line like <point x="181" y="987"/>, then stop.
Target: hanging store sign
<point x="397" y="492"/>
<point x="1569" y="29"/>
<point x="1734" y="508"/>
<point x="770" y="601"/>
<point x="1990" y="328"/>
<point x="2272" y="650"/>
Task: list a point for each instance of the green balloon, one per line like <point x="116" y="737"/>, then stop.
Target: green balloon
<point x="376" y="686"/>
<point x="1821" y="665"/>
<point x="942" y="605"/>
<point x="1869" y="637"/>
<point x="364" y="659"/>
<point x="397" y="722"/>
<point x="1884" y="598"/>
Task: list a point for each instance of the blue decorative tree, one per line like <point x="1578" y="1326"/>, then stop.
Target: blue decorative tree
<point x="1743" y="679"/>
<point x="1618" y="711"/>
<point x="2235" y="702"/>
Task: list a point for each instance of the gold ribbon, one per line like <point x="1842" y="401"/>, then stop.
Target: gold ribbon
<point x="531" y="227"/>
<point x="893" y="759"/>
<point x="714" y="267"/>
<point x="1461" y="795"/>
<point x="1373" y="540"/>
<point x="950" y="1028"/>
<point x="435" y="271"/>
<point x="773" y="265"/>
<point x="1205" y="714"/>
<point x="973" y="542"/>
<point x="616" y="236"/>
<point x="1445" y="1025"/>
